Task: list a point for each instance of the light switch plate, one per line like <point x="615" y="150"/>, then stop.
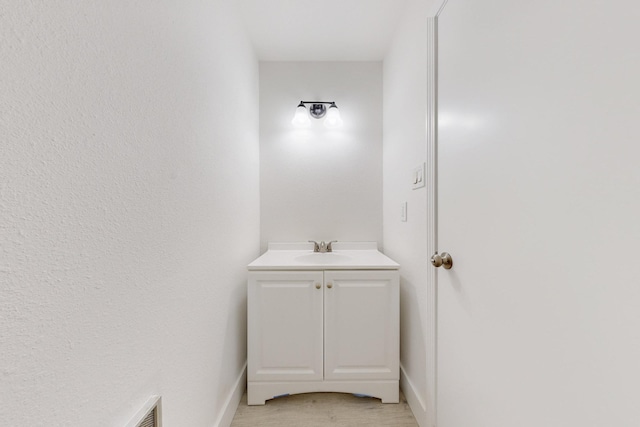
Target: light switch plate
<point x="403" y="212"/>
<point x="418" y="177"/>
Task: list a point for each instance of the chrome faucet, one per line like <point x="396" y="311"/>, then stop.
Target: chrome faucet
<point x="322" y="247"/>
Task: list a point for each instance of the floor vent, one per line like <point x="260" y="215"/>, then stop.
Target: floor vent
<point x="151" y="420"/>
<point x="149" y="415"/>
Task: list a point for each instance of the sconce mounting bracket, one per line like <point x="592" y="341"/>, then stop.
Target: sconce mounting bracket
<point x="317" y="111"/>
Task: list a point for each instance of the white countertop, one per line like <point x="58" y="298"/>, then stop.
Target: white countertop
<point x="345" y="256"/>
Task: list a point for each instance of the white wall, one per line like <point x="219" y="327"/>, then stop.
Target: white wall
<point x="405" y="147"/>
<point x="317" y="183"/>
<point x="128" y="209"/>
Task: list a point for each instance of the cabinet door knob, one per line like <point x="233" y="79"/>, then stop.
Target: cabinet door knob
<point x="318" y="285"/>
<point x="329" y="285"/>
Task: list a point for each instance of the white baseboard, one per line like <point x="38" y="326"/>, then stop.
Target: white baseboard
<point x="417" y="405"/>
<point x="233" y="400"/>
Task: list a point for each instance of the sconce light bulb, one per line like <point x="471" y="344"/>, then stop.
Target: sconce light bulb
<point x="333" y="119"/>
<point x="301" y="117"/>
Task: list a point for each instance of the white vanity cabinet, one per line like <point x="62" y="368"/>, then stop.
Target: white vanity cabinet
<point x="322" y="330"/>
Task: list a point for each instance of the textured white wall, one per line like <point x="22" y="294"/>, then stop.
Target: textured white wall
<point x="129" y="207"/>
<point x="405" y="110"/>
<point x="317" y="183"/>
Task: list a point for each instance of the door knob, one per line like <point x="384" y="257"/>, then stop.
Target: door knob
<point x="444" y="260"/>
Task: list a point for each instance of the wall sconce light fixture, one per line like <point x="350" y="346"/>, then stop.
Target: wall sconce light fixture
<point x="317" y="110"/>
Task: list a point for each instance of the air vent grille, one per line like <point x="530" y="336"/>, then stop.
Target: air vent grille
<point x="151" y="419"/>
<point x="150" y="415"/>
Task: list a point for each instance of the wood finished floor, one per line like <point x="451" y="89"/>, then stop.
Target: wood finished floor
<point x="324" y="409"/>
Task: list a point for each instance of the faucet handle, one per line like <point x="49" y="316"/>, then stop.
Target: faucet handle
<point x="329" y="248"/>
<point x="316" y="246"/>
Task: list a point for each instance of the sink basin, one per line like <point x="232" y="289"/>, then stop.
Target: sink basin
<point x="300" y="256"/>
<point x="322" y="258"/>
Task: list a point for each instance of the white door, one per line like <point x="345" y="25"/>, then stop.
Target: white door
<point x="285" y="326"/>
<point x="539" y="205"/>
<point x="361" y="325"/>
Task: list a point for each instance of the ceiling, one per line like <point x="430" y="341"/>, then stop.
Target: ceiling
<point x="321" y="30"/>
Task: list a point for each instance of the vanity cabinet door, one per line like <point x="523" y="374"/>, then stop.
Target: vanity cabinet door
<point x="284" y="321"/>
<point x="362" y="325"/>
